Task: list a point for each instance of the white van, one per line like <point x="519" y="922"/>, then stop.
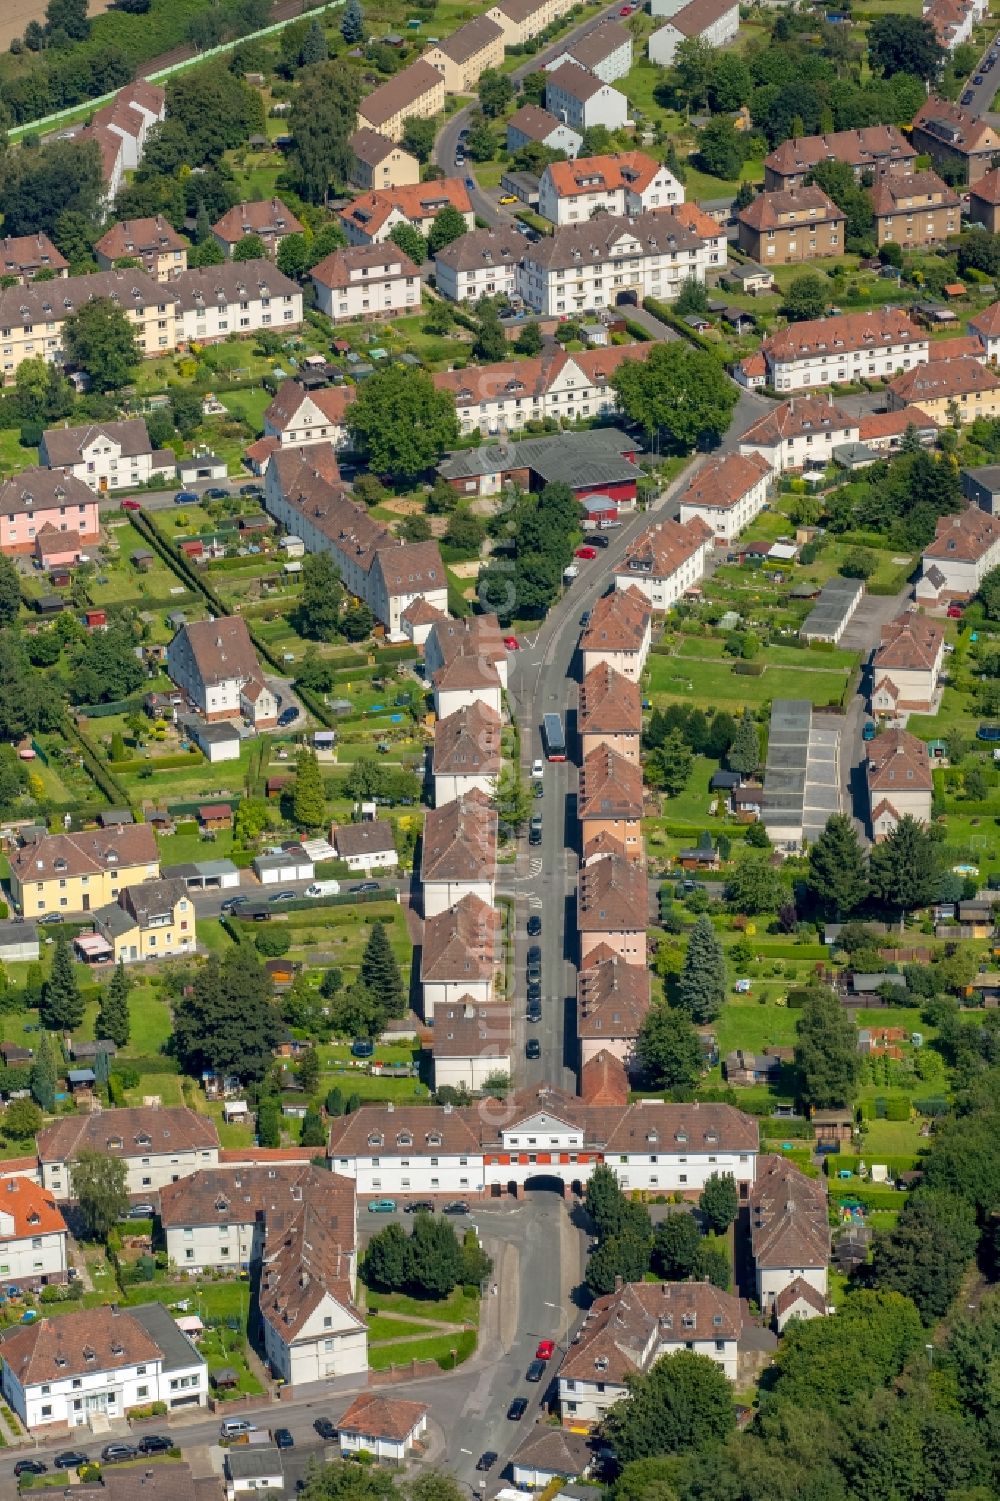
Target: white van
<point x="237" y="1427"/>
<point x="323" y="888"/>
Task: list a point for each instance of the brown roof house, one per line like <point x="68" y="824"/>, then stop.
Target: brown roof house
<point x="906" y="667"/>
<point x="270" y="219"/>
<point x="918" y="209"/>
<point x="799" y="224"/>
<point x="472" y="1044"/>
<point x="377" y="162"/>
<point x="874" y="149"/>
<point x="619" y="633"/>
<point x="550" y="1454"/>
<point x="604" y="1080"/>
<point x="953" y="138"/>
<point x="415" y="93"/>
<point x="899" y="781"/>
<point x="984" y="201"/>
<point x="789" y="1237"/>
<point x="154" y="243"/>
<point x="727" y="494"/>
<point x="610" y="798"/>
<point x="613" y="908"/>
<point x="466" y="755"/>
<point x="215" y="664"/>
<point x="366" y="846"/>
<point x="459" y="955"/>
<point x="23" y="256"/>
<point x="965" y="547"/>
<point x="612" y="999"/>
<point x="949" y="391"/>
<point x="464" y="55"/>
<point x="158" y="1145"/>
<point x="628" y="1331"/>
<point x="383" y="1427"/>
<point x="610" y="713"/>
<point x="459" y="853"/>
<point x="81" y="872"/>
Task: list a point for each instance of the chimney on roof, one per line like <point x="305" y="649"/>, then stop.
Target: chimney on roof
<point x="619" y="1284"/>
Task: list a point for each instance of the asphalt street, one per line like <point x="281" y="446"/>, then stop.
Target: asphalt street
<point x="982" y="94"/>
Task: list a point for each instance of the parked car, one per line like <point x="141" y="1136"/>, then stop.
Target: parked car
<point x="156" y="1443"/>
<point x="535" y="829"/>
<point x="511" y="643"/>
<point x="288" y="716"/>
<point x="131" y="505"/>
<point x="382" y="1206"/>
<point x="534" y="925"/>
<point x="284" y="896"/>
<point x="218" y="493"/>
<point x="507" y="198"/>
<point x="325" y="1428"/>
<point x="537" y="768"/>
<point x="487" y="1460"/>
<point x="457" y="1206"/>
<point x="251" y="489"/>
<point x="233" y="903"/>
<point x="30" y="1467"/>
<point x="599" y="540"/>
<point x="535" y="1371"/>
<point x="50" y="917"/>
<point x="978" y="78"/>
<point x="546" y="1349"/>
<point x="586" y="553"/>
<point x="532" y="1048"/>
<point x="538" y="789"/>
<point x="517" y="1409"/>
<point x="70" y="1459"/>
<point x="419" y="1206"/>
<point x="584" y="620"/>
<point x="144" y="1211"/>
<point x="534" y="1012"/>
<point x="236" y="1427"/>
<point x="283" y="1439"/>
<point x="185" y="498"/>
<point x="534" y="990"/>
<point x="366" y="886"/>
<point x="534" y="955"/>
<point x="113" y="1454"/>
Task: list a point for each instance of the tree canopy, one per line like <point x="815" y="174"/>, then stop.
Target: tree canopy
<point x="100" y="340"/>
<point x="229" y="1022"/>
<point x="678" y="391"/>
<point x="401" y="423"/>
<point x="826" y="1051"/>
<point x="683" y="1402"/>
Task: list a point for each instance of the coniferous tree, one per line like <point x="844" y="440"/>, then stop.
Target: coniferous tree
<point x="744" y="753"/>
<point x="61" y="1007"/>
<point x="701" y="989"/>
<point x="44" y="1073"/>
<point x="826" y="1052"/>
<point x="313" y="1133"/>
<point x="352" y="25"/>
<point x="308" y="797"/>
<point x="112" y="1016"/>
<point x="838" y="873"/>
<point x="904" y="867"/>
<point x="314" y="48"/>
<point x="380" y="973"/>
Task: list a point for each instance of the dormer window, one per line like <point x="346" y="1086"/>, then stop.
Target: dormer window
<point x="375" y="1139"/>
<point x="115" y="1143"/>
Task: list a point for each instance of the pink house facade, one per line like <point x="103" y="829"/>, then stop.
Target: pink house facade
<point x="40" y="499"/>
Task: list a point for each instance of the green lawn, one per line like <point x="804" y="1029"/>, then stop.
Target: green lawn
<point x="716" y="685"/>
<point x="14" y="458"/>
<point x="754" y="1027"/>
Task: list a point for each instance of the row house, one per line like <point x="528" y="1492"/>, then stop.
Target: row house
<point x="727" y="494"/>
<point x="445" y="1149"/>
<point x="298" y="418"/>
<point x="522" y="20"/>
<point x="37" y="499"/>
<point x="459" y="853"/>
<point x="153" y="242"/>
<point x="789" y="1241"/>
<point x="626" y="1332"/>
<point x="605" y="50"/>
<point x="466" y="753"/>
<point x="96" y="1365"/>
<point x="628" y="183"/>
<point x="416" y="93"/>
<point x="665" y="561"/>
<point x="33" y="1235"/>
<point x="899" y="781"/>
<point x="950" y="391"/>
<point x="121" y="129"/>
<point x="482" y="263"/>
<point x="371" y="218"/>
<point x="800" y="432"/>
<point x="379" y="163"/>
<point x="613" y="908"/>
<point x="612" y="1002"/>
<point x="466" y="663"/>
<point x="463" y="57"/>
<point x="80" y="872"/>
<point x="965" y="548"/>
<point x="956" y="141"/>
<point x="460" y="955"/>
<point x="366" y="281"/>
<point x="916" y="210"/>
<point x="22" y="257"/>
<point x="906" y="666"/>
<point x="713" y="22"/>
<point x="791" y="225"/>
<point x="269" y="219"/>
<point x="597" y="264"/>
<point x="984" y="201"/>
<point x="884" y="432"/>
<point x="242" y="297"/>
<point x="246" y="1218"/>
<point x="472" y="1045"/>
<point x="582" y="99"/>
<point x="986" y="328"/>
<point x="304" y="494"/>
<point x="871" y="151"/>
<point x="502" y="398"/>
<point x="619" y="633"/>
<point x="610" y="799"/>
<point x="846" y="348"/>
<point x="609" y="713"/>
<point x="215" y="664"/>
<point x="106" y="455"/>
<point x="32" y="316"/>
<point x="158" y="1145"/>
<point x="532" y="125"/>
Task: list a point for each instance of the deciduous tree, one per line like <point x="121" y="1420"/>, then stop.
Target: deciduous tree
<point x="679" y="391"/>
<point x="448" y="225"/>
<point x="904" y="44"/>
<point x="826" y="1052"/>
<point x="229" y="1022"/>
<point x="401" y="423"/>
<point x="98" y="1182"/>
<point x="318" y="612"/>
<point x="684" y="1402"/>
<point x="323" y="117"/>
<point x="719" y="1201"/>
<point x="99" y="340"/>
<point x="250" y="248"/>
<point x="669" y="1048"/>
<point x="675" y="1246"/>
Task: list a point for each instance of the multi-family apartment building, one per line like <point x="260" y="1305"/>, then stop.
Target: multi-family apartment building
<point x="949" y="391"/>
<point x="726" y="494"/>
<point x="665" y="560"/>
<point x="158" y="1145"/>
<point x="106" y="455"/>
<point x="872" y="151"/>
<point x="581" y="99"/>
<point x="619" y="633"/>
<point x="81" y="872"/>
<point x="472" y="1045"/>
<point x="33" y="1235"/>
<point x="789" y="1240"/>
<point x="215" y="664"/>
<point x="303" y="492"/>
<point x="598" y="264"/>
<point x="38" y="500"/>
<point x="460" y="955"/>
<point x="522" y="20"/>
<point x="415" y="93"/>
<point x="24" y="256"/>
<point x="918" y="209"/>
<point x="464" y="56"/>
<point x="372" y="217"/>
<point x="501" y="398"/>
<point x="612" y="908"/>
<point x="714" y="22"/>
<point x="846" y="348"/>
<point x="965" y="548"/>
<point x="466" y="754"/>
<point x="298" y="418"/>
<point x="605" y="50"/>
<point x="609" y="713"/>
<point x="612" y="1002"/>
<point x="377" y="162"/>
<point x="32" y="316"/>
<point x="899" y="781"/>
<point x="459" y="855"/>
<point x="804" y="430"/>
<point x="531" y="125"/>
<point x="153" y="242"/>
<point x="956" y="142"/>
<point x="906" y="665"/>
<point x="154" y="920"/>
<point x="794" y="224"/>
<point x="610" y="800"/>
<point x="268" y="218"/>
<point x="629" y="183"/>
<point x="366" y="281"/>
<point x="240" y="297"/>
<point x="483" y="263"/>
<point x="984" y="201"/>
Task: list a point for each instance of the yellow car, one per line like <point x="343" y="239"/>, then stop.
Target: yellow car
<point x="507" y="198"/>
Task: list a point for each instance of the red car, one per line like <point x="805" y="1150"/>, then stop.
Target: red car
<point x="954" y="612"/>
<point x="586" y="552"/>
<point x="131" y="505"/>
<point x="512" y="643"/>
<point x="546" y="1349"/>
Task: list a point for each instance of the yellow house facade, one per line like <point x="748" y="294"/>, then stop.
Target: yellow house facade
<point x="153" y="920"/>
<point x="73" y="873"/>
<point x="415" y="93"/>
<point x="32" y="317"/>
<point x="465" y="55"/>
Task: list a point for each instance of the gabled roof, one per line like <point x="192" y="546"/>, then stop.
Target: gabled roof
<point x="38" y="489"/>
<point x="900" y="194"/>
<point x="332" y="401"/>
<point x="22" y="253"/>
<point x="599" y="43"/>
<point x="843" y="334"/>
<point x="873" y="145"/>
<point x="610" y="703"/>
<point x="382" y="1417"/>
<point x="910" y="643"/>
<point x="466" y="1029"/>
<point x="268" y="216"/>
<point x="626" y="169"/>
<point x="694" y="19"/>
<point x="133" y="1131"/>
<point x="138" y="237"/>
<point x="610" y="787"/>
<point x="376" y="263"/>
<point x="471" y="39"/>
<point x="966" y="537"/>
<point x="393" y="97"/>
<point x="575" y="81"/>
<point x="796" y="418"/>
<point x="59" y="856"/>
<point x="663" y="548"/>
<point x="467" y="743"/>
<point x="534" y="122"/>
<point x="790" y="208"/>
<point x="626" y="1331"/>
<point x="373" y="148"/>
<point x="942" y="380"/>
<point x="27" y="1209"/>
<point x="65" y="446"/>
<point x="76" y="1344"/>
<point x="612" y="896"/>
<point x="789" y="1217"/>
<point x="462" y="944"/>
<point x="955" y="128"/>
<point x="221" y="649"/>
<point x="374" y="837"/>
<point x="898" y="762"/>
<point x="987" y="188"/>
<point x="612" y="999"/>
<point x="416" y="202"/>
<point x="619" y="622"/>
<point x="722" y="483"/>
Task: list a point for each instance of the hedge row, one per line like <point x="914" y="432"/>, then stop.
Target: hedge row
<point x="105" y="780"/>
<point x="666" y="315"/>
<point x="158" y="763"/>
<point x="104" y="711"/>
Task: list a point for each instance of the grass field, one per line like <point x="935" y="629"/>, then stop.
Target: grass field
<point x="715" y="685"/>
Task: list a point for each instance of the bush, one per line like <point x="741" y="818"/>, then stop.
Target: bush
<point x="897" y="1108"/>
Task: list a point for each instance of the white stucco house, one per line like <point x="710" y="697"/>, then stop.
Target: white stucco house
<point x="580" y="99"/>
<point x="386" y="1428"/>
